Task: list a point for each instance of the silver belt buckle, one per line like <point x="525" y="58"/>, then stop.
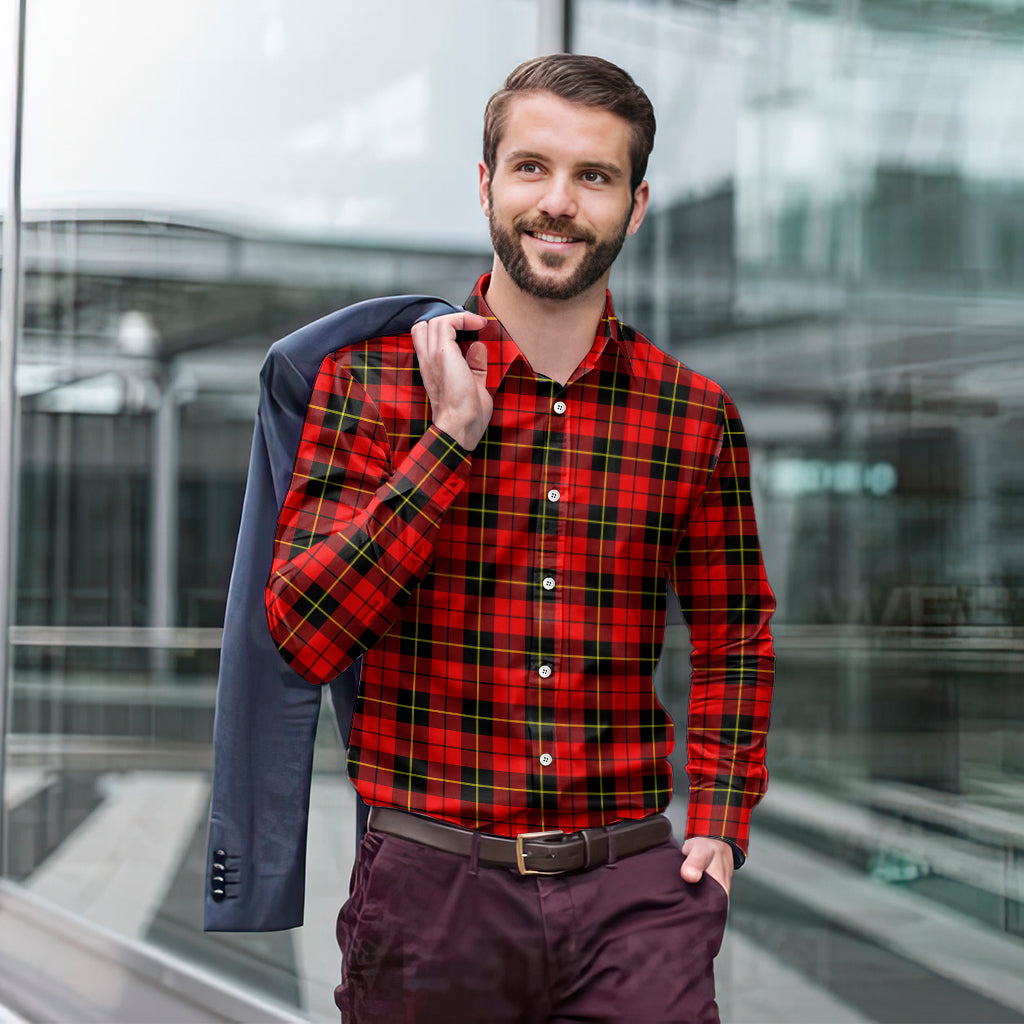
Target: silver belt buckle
<point x="521" y="856"/>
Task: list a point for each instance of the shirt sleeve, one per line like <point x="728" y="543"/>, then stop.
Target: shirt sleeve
<point x="720" y="580"/>
<point x="356" y="532"/>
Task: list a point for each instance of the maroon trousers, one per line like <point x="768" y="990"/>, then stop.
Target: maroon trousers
<point x="432" y="938"/>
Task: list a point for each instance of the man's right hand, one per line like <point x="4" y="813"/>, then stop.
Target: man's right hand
<point x="460" y="403"/>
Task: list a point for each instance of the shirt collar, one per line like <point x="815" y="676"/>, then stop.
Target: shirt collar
<point x="502" y="351"/>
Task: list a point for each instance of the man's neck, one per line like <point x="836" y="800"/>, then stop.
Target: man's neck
<point x="554" y="335"/>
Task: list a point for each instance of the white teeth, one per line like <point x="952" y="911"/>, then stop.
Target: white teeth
<point x="551" y="238"/>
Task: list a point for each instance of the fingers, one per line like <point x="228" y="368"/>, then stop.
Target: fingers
<point x="472" y="322"/>
<point x="456" y="386"/>
<point x="433" y="339"/>
<point x="445" y="326"/>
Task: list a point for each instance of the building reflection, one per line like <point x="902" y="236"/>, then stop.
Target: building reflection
<point x="853" y="278"/>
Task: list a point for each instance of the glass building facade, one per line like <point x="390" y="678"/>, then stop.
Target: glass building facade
<point x="836" y="235"/>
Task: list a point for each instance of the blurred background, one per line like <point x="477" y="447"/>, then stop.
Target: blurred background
<point x="836" y="236"/>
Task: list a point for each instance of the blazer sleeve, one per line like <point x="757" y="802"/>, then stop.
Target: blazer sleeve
<point x="266" y="715"/>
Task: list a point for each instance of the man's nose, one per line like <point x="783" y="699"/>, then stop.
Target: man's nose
<point x="559" y="198"/>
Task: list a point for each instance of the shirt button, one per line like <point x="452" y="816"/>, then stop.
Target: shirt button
<point x="553" y="494"/>
<point x="544" y="671"/>
<point x="549" y="583"/>
<point x="546" y="759"/>
<point x="559" y="407"/>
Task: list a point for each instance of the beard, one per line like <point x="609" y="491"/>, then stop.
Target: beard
<point x="598" y="257"/>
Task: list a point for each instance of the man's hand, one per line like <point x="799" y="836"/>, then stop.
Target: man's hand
<point x="460" y="404"/>
<point x="711" y="855"/>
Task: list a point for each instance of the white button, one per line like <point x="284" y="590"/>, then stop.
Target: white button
<point x="549" y="583"/>
<point x="559" y="407"/>
<point x="544" y="671"/>
<point x="553" y="494"/>
<point x="546" y="759"/>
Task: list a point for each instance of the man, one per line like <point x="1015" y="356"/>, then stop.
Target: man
<point x="488" y="511"/>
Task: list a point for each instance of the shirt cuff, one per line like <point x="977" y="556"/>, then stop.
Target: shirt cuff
<point x="738" y="856"/>
<point x="465" y="452"/>
<point x="433" y="472"/>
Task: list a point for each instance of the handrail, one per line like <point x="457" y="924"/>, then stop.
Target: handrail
<point x="167" y="637"/>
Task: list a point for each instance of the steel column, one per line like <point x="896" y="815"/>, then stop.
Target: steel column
<point x="10" y="322"/>
<point x="554" y="26"/>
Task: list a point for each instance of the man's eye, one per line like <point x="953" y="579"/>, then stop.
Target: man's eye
<point x="593" y="177"/>
<point x="529" y="168"/>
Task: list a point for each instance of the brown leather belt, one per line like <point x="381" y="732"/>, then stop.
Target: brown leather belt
<point x="531" y="853"/>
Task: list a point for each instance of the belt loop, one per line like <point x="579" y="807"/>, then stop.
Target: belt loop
<point x="474" y="854"/>
<point x="585" y="833"/>
<point x="610" y="833"/>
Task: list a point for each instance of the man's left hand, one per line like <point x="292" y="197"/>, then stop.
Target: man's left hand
<point x="702" y="854"/>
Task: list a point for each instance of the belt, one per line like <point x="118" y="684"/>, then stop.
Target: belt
<point x="530" y="853"/>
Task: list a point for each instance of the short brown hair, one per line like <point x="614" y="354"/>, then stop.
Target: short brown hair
<point x="577" y="78"/>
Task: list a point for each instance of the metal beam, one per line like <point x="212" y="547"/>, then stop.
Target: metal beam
<point x="10" y="319"/>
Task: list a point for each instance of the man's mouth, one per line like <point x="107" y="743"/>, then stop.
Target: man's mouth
<point x="545" y="236"/>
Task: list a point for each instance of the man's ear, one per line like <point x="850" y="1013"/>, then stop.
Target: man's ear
<point x="485" y="187"/>
<point x="641" y="197"/>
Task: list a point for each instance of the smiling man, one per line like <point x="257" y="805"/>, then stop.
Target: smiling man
<point x="489" y="511"/>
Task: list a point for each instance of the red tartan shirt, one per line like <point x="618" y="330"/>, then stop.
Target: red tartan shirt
<point x="509" y="603"/>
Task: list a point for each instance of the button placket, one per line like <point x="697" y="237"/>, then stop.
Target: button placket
<point x="551" y="410"/>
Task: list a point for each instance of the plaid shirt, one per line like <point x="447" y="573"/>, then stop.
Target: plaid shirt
<point x="509" y="603"/>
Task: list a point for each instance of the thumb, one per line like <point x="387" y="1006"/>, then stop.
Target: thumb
<point x="694" y="864"/>
<point x="477" y="357"/>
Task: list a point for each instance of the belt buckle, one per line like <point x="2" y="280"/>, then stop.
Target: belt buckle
<point x="521" y="855"/>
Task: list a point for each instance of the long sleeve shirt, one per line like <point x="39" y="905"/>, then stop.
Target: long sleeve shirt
<point x="509" y="603"/>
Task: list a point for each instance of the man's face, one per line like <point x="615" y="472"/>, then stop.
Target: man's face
<point x="559" y="202"/>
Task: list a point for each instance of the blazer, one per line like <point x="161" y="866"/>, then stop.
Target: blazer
<point x="266" y="715"/>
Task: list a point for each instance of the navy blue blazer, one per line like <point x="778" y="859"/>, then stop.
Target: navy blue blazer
<point x="266" y="714"/>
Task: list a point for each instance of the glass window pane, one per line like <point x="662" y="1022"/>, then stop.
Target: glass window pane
<point x="326" y="119"/>
<point x="8" y="23"/>
<point x="836" y="237"/>
<point x="200" y="178"/>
